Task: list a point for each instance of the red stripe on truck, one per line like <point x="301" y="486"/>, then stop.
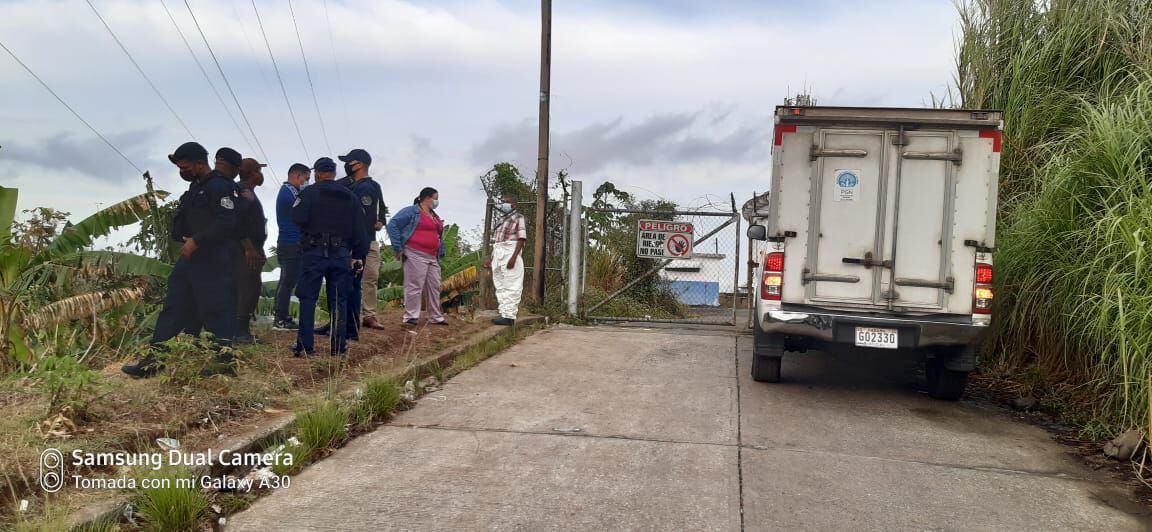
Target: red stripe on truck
<point x="996" y="135"/>
<point x="780" y="131"/>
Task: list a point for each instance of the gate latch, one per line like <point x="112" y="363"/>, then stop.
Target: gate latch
<point x="868" y="262"/>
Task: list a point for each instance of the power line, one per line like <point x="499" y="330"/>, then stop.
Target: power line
<point x="229" y="85"/>
<point x="339" y="75"/>
<point x="248" y="40"/>
<point x="276" y="68"/>
<point x="308" y="72"/>
<point x="140" y="70"/>
<point x="69" y="107"/>
<point x="207" y="78"/>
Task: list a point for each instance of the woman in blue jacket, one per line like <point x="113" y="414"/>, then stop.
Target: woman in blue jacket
<point x="417" y="237"/>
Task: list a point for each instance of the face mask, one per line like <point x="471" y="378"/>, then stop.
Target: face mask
<point x="348" y="169"/>
<point x="435" y="204"/>
<point x="188" y="175"/>
<point x="504" y="207"/>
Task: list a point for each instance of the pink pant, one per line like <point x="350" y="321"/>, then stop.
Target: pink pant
<point x="421" y="277"/>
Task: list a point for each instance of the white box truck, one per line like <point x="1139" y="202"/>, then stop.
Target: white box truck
<point x="878" y="232"/>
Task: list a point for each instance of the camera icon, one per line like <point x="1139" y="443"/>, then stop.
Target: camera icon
<point x="51" y="470"/>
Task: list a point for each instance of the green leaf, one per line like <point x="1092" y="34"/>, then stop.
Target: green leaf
<point x="127" y="212"/>
<point x="8" y="198"/>
<point x="126" y="263"/>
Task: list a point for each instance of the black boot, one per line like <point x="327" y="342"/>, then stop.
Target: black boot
<point x="243" y="334"/>
<point x="145" y="368"/>
<point x="323" y="330"/>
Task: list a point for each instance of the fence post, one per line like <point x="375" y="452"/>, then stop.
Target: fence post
<point x="574" y="242"/>
<point x="486" y="274"/>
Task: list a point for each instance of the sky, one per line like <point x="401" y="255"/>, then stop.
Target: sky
<point x="667" y="99"/>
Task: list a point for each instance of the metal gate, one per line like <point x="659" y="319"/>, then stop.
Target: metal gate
<point x="661" y="266"/>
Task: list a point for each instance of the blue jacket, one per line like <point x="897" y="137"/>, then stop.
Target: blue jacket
<point x="403" y="225"/>
<point x="289" y="232"/>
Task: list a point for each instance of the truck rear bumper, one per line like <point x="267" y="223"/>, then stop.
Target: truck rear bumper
<point x="840" y="328"/>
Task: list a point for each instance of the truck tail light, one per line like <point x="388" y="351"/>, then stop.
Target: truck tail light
<point x="772" y="287"/>
<point x="983" y="294"/>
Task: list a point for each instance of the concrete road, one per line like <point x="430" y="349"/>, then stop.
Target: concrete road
<point x="625" y="429"/>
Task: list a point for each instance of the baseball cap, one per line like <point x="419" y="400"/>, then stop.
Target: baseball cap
<point x="250" y="166"/>
<point x="324" y="164"/>
<point x="357" y="154"/>
<point x="189" y="151"/>
<point x="229" y="156"/>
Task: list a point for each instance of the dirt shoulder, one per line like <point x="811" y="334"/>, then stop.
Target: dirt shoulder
<point x="128" y="415"/>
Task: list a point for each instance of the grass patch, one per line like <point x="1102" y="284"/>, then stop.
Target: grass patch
<point x="323" y="426"/>
<point x="1073" y="322"/>
<point x="169" y="506"/>
<point x="380" y="398"/>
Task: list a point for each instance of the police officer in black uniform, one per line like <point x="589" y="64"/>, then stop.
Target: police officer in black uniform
<point x="252" y="231"/>
<point x="332" y="237"/>
<point x="200" y="287"/>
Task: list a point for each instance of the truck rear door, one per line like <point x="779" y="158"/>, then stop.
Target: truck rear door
<point x="846" y="226"/>
<point x="881" y="233"/>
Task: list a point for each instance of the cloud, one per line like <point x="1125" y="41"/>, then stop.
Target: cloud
<point x="86" y="154"/>
<point x="667" y="138"/>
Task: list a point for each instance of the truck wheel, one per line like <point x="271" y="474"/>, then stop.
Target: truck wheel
<point x="944" y="384"/>
<point x="766" y="355"/>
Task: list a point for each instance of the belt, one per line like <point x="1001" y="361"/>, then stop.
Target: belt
<point x="325" y="240"/>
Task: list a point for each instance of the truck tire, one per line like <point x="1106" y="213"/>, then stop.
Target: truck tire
<point x="943" y="383"/>
<point x="766" y="354"/>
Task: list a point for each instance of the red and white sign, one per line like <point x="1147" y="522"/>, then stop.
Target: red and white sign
<point x="660" y="239"/>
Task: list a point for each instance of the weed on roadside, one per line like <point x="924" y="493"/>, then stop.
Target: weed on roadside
<point x="380" y="398"/>
<point x="323" y="426"/>
<point x="171" y="503"/>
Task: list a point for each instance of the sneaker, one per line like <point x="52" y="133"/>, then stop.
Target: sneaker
<point x="411" y="322"/>
<point x="503" y="321"/>
<point x="322" y="330"/>
<point x="146" y="367"/>
<point x="286" y="324"/>
<point x="441" y="322"/>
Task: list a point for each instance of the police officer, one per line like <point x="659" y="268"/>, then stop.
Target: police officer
<point x="332" y="245"/>
<point x="368" y="193"/>
<point x="252" y="232"/>
<point x="200" y="286"/>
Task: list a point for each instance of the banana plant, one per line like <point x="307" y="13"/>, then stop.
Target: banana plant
<point x="63" y="260"/>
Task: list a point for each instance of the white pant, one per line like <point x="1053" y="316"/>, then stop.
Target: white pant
<point x="509" y="283"/>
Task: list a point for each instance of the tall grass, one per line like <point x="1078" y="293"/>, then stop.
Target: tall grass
<point x="1074" y="79"/>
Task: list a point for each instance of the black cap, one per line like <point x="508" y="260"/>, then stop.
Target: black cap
<point x="189" y="151"/>
<point x="357" y="154"/>
<point x="230" y="156"/>
<point x="298" y="167"/>
<point x="324" y="164"/>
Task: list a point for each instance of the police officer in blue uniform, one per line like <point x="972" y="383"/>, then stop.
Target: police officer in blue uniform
<point x="368" y="193"/>
<point x="332" y="246"/>
<point x="201" y="290"/>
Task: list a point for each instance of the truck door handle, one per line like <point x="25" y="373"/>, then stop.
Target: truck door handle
<point x="867" y="262"/>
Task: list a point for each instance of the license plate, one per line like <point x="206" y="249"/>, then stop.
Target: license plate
<point x="881" y="338"/>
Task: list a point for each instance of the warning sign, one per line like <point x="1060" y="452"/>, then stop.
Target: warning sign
<point x="660" y="239"/>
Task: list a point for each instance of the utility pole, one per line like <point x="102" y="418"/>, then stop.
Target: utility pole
<point x="542" y="150"/>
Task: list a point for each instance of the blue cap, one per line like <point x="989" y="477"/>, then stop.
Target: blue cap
<point x="357" y="154"/>
<point x="324" y="164"/>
